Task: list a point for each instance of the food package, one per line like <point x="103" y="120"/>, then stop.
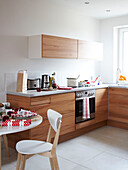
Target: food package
<point x="16" y="123"/>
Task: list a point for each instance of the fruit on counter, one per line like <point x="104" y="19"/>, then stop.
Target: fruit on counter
<point x="1" y="105"/>
<point x="6" y="117"/>
<point x="122" y="78"/>
<point x="88" y="82"/>
<point x="9" y="113"/>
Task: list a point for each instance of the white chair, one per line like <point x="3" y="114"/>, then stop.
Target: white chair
<point x="28" y="148"/>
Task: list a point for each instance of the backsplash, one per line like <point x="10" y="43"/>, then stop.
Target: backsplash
<point x="14" y="58"/>
<point x="10" y="79"/>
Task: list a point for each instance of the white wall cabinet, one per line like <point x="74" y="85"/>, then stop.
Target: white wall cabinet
<point x="90" y="50"/>
<point x="35" y="46"/>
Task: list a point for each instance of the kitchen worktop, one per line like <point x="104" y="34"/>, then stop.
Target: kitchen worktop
<point x="124" y="86"/>
<point x="34" y="93"/>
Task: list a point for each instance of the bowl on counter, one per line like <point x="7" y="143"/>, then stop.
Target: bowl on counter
<point x="81" y="84"/>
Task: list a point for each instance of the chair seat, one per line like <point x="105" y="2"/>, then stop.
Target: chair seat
<point x="33" y="147"/>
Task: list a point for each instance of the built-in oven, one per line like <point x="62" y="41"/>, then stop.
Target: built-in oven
<point x="84" y="106"/>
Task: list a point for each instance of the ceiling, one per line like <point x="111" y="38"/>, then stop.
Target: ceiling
<point x="97" y="8"/>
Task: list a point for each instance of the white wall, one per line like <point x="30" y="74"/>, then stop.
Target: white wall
<point x="20" y="18"/>
<point x="107" y="34"/>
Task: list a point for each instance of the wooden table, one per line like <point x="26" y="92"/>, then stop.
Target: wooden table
<point x="15" y="129"/>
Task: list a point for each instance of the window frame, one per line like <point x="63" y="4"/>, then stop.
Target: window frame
<point x="120" y="57"/>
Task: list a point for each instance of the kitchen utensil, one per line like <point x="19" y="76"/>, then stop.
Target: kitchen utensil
<point x="64" y="88"/>
<point x="45" y="81"/>
<point x="81" y="84"/>
<point x="33" y="84"/>
<point x="72" y="82"/>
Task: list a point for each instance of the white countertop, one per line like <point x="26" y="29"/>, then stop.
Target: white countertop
<point x="34" y="93"/>
<point x="119" y="86"/>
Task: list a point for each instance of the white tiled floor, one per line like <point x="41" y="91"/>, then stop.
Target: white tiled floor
<point x="103" y="149"/>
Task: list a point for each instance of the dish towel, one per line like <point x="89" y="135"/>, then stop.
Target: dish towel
<point x="86" y="109"/>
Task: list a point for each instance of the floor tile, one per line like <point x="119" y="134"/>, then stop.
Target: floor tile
<point x="105" y="148"/>
<point x="107" y="161"/>
<point x="80" y="168"/>
<point x="105" y="142"/>
<point x="42" y="163"/>
<point x="77" y="152"/>
<point x="112" y="132"/>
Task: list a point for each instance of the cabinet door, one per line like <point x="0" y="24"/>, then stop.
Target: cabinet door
<point x="65" y="105"/>
<point x="90" y="50"/>
<point x="101" y="105"/>
<point x="62" y="103"/>
<point x="118" y="106"/>
<point x="41" y="131"/>
<point x="58" y="47"/>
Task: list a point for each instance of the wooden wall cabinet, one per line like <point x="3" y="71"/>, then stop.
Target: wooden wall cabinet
<point x="90" y="50"/>
<point x="118" y="107"/>
<point x="101" y="105"/>
<point x="46" y="46"/>
<point x="59" y="47"/>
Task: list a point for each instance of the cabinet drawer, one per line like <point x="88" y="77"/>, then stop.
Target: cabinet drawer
<point x="62" y="98"/>
<point x="85" y="124"/>
<point x="40" y="100"/>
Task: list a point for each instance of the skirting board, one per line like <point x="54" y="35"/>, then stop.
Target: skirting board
<point x="81" y="131"/>
<point x="117" y="124"/>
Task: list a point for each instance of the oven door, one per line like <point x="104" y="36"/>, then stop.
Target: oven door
<point x="79" y="109"/>
<point x="92" y="107"/>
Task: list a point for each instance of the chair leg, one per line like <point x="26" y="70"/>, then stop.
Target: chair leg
<point x="55" y="163"/>
<point x="23" y="159"/>
<point x="18" y="161"/>
<point x="51" y="163"/>
<point x="6" y="144"/>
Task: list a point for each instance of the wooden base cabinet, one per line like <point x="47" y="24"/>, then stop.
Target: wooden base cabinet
<point x="101" y="105"/>
<point x="63" y="103"/>
<point x="118" y="107"/>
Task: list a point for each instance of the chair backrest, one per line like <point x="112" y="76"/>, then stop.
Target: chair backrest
<point x="54" y="118"/>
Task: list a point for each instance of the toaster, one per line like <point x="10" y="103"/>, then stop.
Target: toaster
<point x="33" y="84"/>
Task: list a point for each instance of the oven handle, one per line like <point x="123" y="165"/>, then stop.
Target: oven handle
<point x="81" y="98"/>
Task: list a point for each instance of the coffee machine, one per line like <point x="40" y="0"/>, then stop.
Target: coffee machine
<point x="45" y="81"/>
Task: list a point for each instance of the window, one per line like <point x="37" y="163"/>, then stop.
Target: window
<point x="122" y="61"/>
